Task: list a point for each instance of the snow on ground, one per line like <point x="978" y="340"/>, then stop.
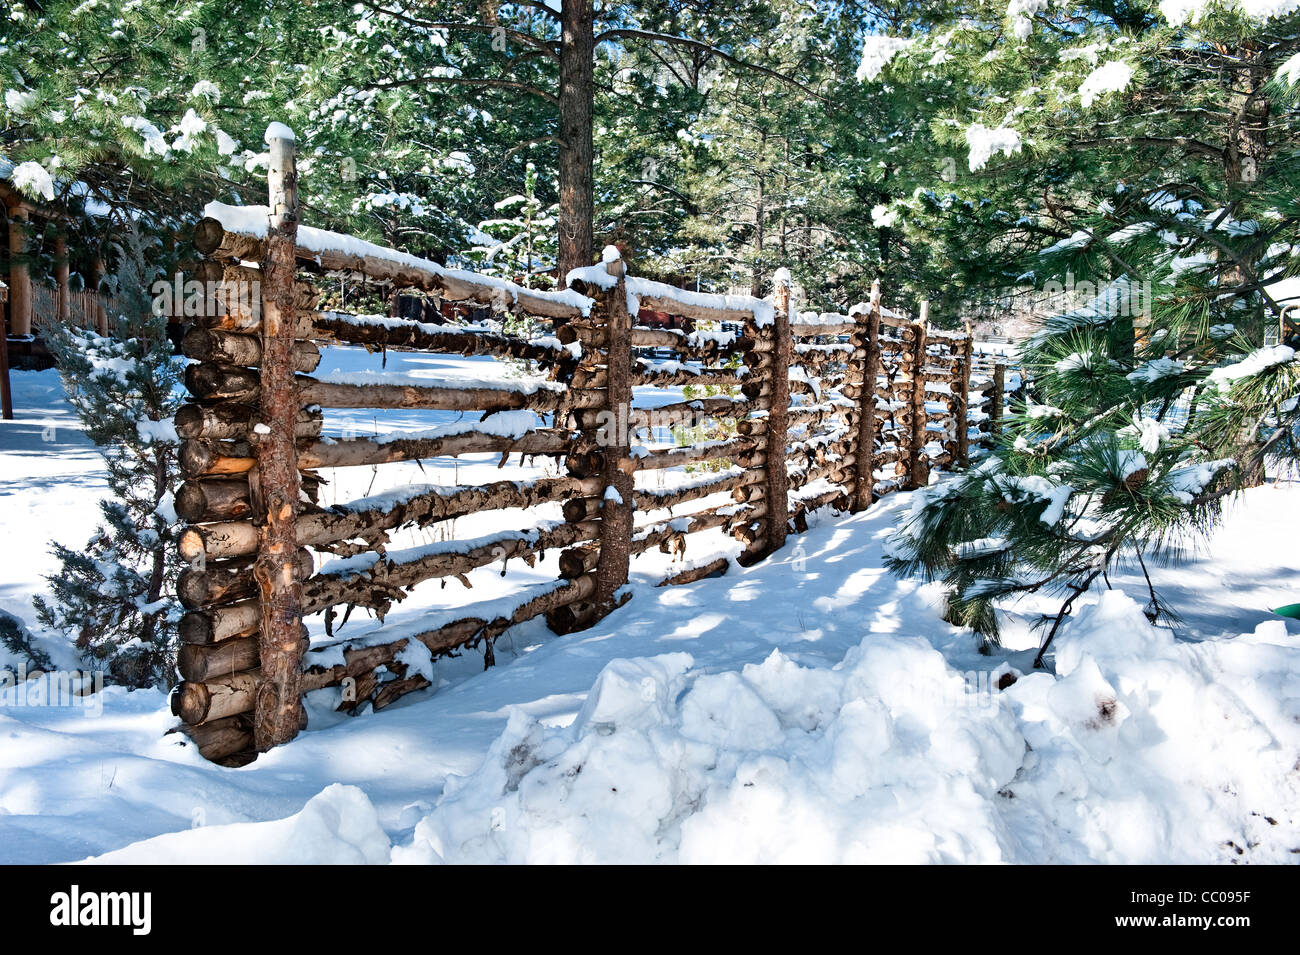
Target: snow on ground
<point x="810" y="708"/>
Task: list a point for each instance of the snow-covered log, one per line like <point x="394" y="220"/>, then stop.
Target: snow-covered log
<point x="371" y="580"/>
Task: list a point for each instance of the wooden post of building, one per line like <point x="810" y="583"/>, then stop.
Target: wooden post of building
<point x="20" y="279"/>
<point x="864" y="453"/>
<point x="776" y="492"/>
<point x="64" y="304"/>
<point x="918" y="473"/>
<point x="961" y="409"/>
<point x="6" y="395"/>
<point x="618" y="506"/>
<point x="282" y="642"/>
<point x="96" y="276"/>
<point x="995" y="403"/>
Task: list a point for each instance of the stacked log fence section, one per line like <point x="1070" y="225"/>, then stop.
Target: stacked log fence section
<point x="677" y="431"/>
<point x="612" y="419"/>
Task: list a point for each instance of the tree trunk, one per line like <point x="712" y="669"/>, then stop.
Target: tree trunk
<point x="278" y="702"/>
<point x="577" y="95"/>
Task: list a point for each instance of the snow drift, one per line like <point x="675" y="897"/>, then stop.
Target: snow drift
<point x="1141" y="749"/>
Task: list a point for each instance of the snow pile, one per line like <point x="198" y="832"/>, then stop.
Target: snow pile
<point x="338" y="826"/>
<point x="1260" y="360"/>
<point x="1178" y="12"/>
<point x="1021" y="13"/>
<point x="881" y="758"/>
<point x="984" y="142"/>
<point x="1112" y="77"/>
<point x="877" y="51"/>
<point x="32" y="178"/>
<point x="1143" y="749"/>
<point x="1149" y="750"/>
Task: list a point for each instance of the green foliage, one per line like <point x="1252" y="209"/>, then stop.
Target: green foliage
<point x="114" y="596"/>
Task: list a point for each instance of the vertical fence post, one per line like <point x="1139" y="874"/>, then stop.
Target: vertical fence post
<point x="999" y="388"/>
<point x="278" y="703"/>
<point x="866" y="338"/>
<point x="917" y="472"/>
<point x="617" y="508"/>
<point x="776" y="483"/>
<point x="962" y="410"/>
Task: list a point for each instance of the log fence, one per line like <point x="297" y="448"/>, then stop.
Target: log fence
<point x="803" y="411"/>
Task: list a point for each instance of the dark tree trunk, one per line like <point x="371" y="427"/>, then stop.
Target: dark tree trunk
<point x="577" y="92"/>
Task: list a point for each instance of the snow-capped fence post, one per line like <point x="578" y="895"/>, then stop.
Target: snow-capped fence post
<point x="617" y="506"/>
<point x="961" y="409"/>
<point x="278" y="710"/>
<point x="918" y="473"/>
<point x="866" y="349"/>
<point x="776" y="485"/>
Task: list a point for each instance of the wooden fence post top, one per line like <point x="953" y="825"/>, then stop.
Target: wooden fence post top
<point x="612" y="259"/>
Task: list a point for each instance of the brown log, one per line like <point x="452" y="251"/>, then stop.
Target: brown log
<point x="210" y="238"/>
<point x="706" y="313"/>
<point x="962" y="409"/>
<point x="208" y="542"/>
<point x="201" y="457"/>
<point x="864" y="481"/>
<point x="644" y="376"/>
<point x="215" y="624"/>
<point x="383" y="581"/>
<point x="201" y="662"/>
<point x="213" y="241"/>
<point x="671" y="497"/>
<point x="778" y="422"/>
<point x="205" y="344"/>
<point x="278" y="710"/>
<point x="653" y="535"/>
<point x="355" y="452"/>
<point x="577" y="561"/>
<point x="213" y="499"/>
<point x="617" y="515"/>
<point x="708" y="451"/>
<point x="216" y="699"/>
<point x="233" y="420"/>
<point x="917" y="470"/>
<point x="210" y="381"/>
<point x="210" y="582"/>
<point x="823" y="329"/>
<point x="220" y="739"/>
<point x="399" y="335"/>
<point x="394" y="690"/>
<point x="714" y="568"/>
<point x="315" y="528"/>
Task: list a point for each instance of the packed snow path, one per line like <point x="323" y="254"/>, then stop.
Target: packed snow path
<point x="810" y="708"/>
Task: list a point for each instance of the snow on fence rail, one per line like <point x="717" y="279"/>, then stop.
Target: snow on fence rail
<point x="814" y="410"/>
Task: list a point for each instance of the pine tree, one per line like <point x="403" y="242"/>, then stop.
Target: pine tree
<point x="1165" y="164"/>
<point x="114" y="596"/>
<point x="519" y="244"/>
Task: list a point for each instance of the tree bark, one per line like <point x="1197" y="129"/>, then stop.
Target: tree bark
<point x="864" y="473"/>
<point x="577" y="95"/>
<point x="617" y="514"/>
<point x="278" y="703"/>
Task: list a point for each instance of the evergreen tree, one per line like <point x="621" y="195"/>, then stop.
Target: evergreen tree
<point x="114" y="597"/>
<point x="1163" y="157"/>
